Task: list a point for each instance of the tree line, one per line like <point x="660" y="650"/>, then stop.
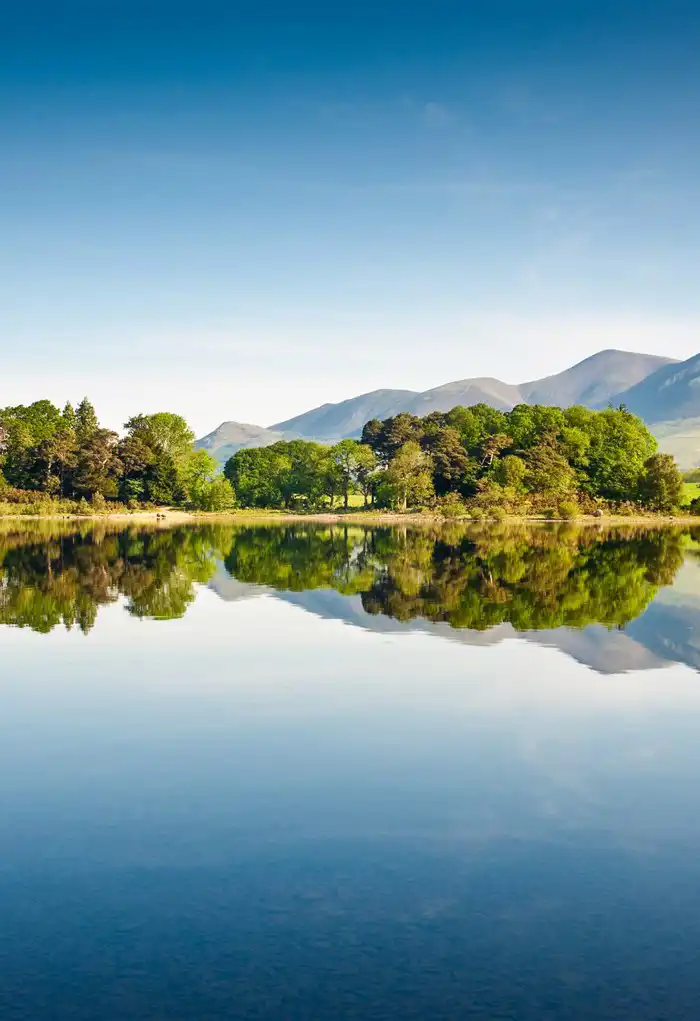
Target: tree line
<point x="68" y="455"/>
<point x="478" y="458"/>
<point x="475" y="460"/>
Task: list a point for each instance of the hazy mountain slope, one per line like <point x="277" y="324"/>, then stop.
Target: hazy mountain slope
<point x="592" y="382"/>
<point x="333" y="421"/>
<point x="681" y="439"/>
<point x="595" y="380"/>
<point x="229" y="437"/>
<point x="656" y="387"/>
<point x="669" y="394"/>
<point x="467" y="392"/>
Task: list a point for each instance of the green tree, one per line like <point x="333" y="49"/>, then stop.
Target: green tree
<point x="366" y="470"/>
<point x="204" y="486"/>
<point x="450" y="459"/>
<point x="260" y="476"/>
<point x="510" y="472"/>
<point x="347" y="461"/>
<point x="408" y="479"/>
<point x="661" y="485"/>
<point x="86" y="421"/>
<point x="70" y="419"/>
<point x="548" y="471"/>
<point x="97" y="466"/>
<point x="620" y="446"/>
<point x="165" y="433"/>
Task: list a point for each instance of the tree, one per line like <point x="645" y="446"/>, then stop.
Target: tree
<point x="137" y="460"/>
<point x="165" y="433"/>
<point x="260" y="476"/>
<point x="86" y="422"/>
<point x="661" y="486"/>
<point x="97" y="465"/>
<point x="620" y="446"/>
<point x="408" y="479"/>
<point x="344" y="456"/>
<point x="204" y="487"/>
<point x="70" y="419"/>
<point x="493" y="446"/>
<point x="56" y="457"/>
<point x="24" y="428"/>
<point x="366" y="470"/>
<point x="548" y="471"/>
<point x="217" y="495"/>
<point x="450" y="459"/>
<point x="391" y="435"/>
<point x="510" y="472"/>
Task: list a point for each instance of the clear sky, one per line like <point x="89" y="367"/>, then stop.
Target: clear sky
<point x="242" y="210"/>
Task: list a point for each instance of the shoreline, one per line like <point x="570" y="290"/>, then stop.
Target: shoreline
<point x="166" y="517"/>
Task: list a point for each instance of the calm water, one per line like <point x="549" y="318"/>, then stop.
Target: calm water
<point x="294" y="773"/>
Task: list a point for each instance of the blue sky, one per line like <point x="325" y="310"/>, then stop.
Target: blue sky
<point x="244" y="210"/>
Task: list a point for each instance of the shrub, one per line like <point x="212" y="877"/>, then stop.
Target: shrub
<point x="568" y="509"/>
<point x="451" y="507"/>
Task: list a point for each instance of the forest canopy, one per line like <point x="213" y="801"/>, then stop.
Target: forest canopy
<point x="531" y="458"/>
<point x="68" y="454"/>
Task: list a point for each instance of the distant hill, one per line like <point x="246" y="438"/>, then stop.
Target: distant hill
<point x="223" y="442"/>
<point x="334" y="421"/>
<point x="662" y="391"/>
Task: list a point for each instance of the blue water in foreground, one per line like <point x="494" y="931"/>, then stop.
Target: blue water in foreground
<point x="278" y="810"/>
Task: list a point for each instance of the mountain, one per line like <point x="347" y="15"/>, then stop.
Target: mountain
<point x="661" y="390"/>
<point x="669" y="394"/>
<point x="223" y="442"/>
<point x="595" y="380"/>
<point x="591" y="382"/>
<point x="334" y="421"/>
<point x="681" y="439"/>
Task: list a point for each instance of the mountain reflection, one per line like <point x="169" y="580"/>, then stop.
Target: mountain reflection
<point x="530" y="578"/>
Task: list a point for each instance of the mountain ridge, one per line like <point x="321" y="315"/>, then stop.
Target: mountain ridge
<point x="653" y="386"/>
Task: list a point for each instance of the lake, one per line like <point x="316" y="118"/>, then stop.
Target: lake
<point x="299" y="773"/>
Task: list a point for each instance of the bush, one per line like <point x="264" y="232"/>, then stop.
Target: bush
<point x="477" y="513"/>
<point x="568" y="509"/>
<point x="497" y="513"/>
<point x="627" y="509"/>
<point x="451" y="507"/>
<point x="99" y="504"/>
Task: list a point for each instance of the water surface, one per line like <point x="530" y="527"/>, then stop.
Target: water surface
<point x="308" y="773"/>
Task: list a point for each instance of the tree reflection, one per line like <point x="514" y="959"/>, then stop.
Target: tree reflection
<point x="532" y="578"/>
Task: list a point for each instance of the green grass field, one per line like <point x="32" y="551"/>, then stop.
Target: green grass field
<point x="691" y="490"/>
